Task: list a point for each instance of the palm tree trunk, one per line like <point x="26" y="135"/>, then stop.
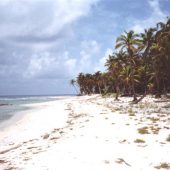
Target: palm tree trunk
<point x="75" y="89"/>
<point x="117" y="92"/>
<point x="99" y="88"/>
<point x="158" y="94"/>
<point x="133" y="90"/>
<point x="133" y="82"/>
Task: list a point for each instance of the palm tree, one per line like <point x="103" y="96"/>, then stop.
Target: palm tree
<point x="81" y="82"/>
<point x="105" y="78"/>
<point x="130" y="42"/>
<point x="72" y="82"/>
<point x="140" y="66"/>
<point x="89" y="83"/>
<point x="160" y="53"/>
<point x="148" y="38"/>
<point x="126" y="77"/>
<point x="98" y="81"/>
<point x="163" y="41"/>
<point x="114" y="64"/>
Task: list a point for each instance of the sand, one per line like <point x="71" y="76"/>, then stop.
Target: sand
<point x="89" y="133"/>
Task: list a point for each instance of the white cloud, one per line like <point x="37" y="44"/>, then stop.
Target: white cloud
<point x="157" y="15"/>
<point x="91" y="59"/>
<point x="37" y="31"/>
<point x="90" y="46"/>
<point x="100" y="65"/>
<point x="155" y="7"/>
<point x="35" y="19"/>
<point x="38" y="64"/>
<point x="89" y="51"/>
<point x="47" y="66"/>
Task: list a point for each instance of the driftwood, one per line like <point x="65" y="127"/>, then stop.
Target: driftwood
<point x="7" y="150"/>
<point x="138" y="100"/>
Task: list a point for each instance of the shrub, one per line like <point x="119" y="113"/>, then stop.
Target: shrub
<point x="139" y="141"/>
<point x="143" y="130"/>
<point x="163" y="165"/>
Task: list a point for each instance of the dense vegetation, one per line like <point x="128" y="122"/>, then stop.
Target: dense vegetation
<point x="141" y="66"/>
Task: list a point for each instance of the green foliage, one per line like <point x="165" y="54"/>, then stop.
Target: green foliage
<point x="143" y="130"/>
<point x="140" y="65"/>
<point x="155" y="130"/>
<point x="131" y="113"/>
<point x="163" y="165"/>
<point x="139" y="141"/>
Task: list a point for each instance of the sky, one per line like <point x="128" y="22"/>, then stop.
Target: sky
<point x="46" y="43"/>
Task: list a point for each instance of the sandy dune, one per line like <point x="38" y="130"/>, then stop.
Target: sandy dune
<point x="90" y="133"/>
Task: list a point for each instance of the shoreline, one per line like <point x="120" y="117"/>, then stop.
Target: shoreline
<point x="20" y="121"/>
<point x="31" y="107"/>
<point x="92" y="133"/>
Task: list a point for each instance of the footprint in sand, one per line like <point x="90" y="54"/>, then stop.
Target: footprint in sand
<point x="106" y="162"/>
<point x="2" y="161"/>
<point x="45" y="136"/>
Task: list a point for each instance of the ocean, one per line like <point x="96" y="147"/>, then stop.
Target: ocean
<point x="11" y="105"/>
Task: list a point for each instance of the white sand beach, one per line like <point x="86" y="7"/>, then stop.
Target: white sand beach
<point x="89" y="133"/>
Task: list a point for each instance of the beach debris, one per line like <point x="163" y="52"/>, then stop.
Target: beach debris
<point x="7" y="150"/>
<point x="45" y="136"/>
<point x="61" y="131"/>
<point x="78" y="115"/>
<point x="143" y="146"/>
<point x="55" y="136"/>
<point x="26" y="159"/>
<point x="120" y="161"/>
<point x="143" y="130"/>
<point x="163" y="165"/>
<point x="32" y="140"/>
<point x="162" y="143"/>
<point x="32" y="147"/>
<point x="122" y="141"/>
<point x="2" y="161"/>
<point x="139" y="141"/>
<point x="103" y="113"/>
<point x="106" y="162"/>
<point x="155" y="130"/>
<point x="168" y="138"/>
<point x="11" y="168"/>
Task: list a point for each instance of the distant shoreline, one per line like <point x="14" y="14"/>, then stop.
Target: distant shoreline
<point x="14" y="107"/>
<point x="38" y="95"/>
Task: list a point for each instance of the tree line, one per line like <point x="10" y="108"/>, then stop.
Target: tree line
<point x="140" y="66"/>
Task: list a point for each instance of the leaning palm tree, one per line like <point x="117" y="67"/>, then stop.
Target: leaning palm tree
<point x="148" y="38"/>
<point x="72" y="82"/>
<point x="130" y="42"/>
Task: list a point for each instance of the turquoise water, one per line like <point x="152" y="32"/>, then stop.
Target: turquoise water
<point x="10" y="105"/>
